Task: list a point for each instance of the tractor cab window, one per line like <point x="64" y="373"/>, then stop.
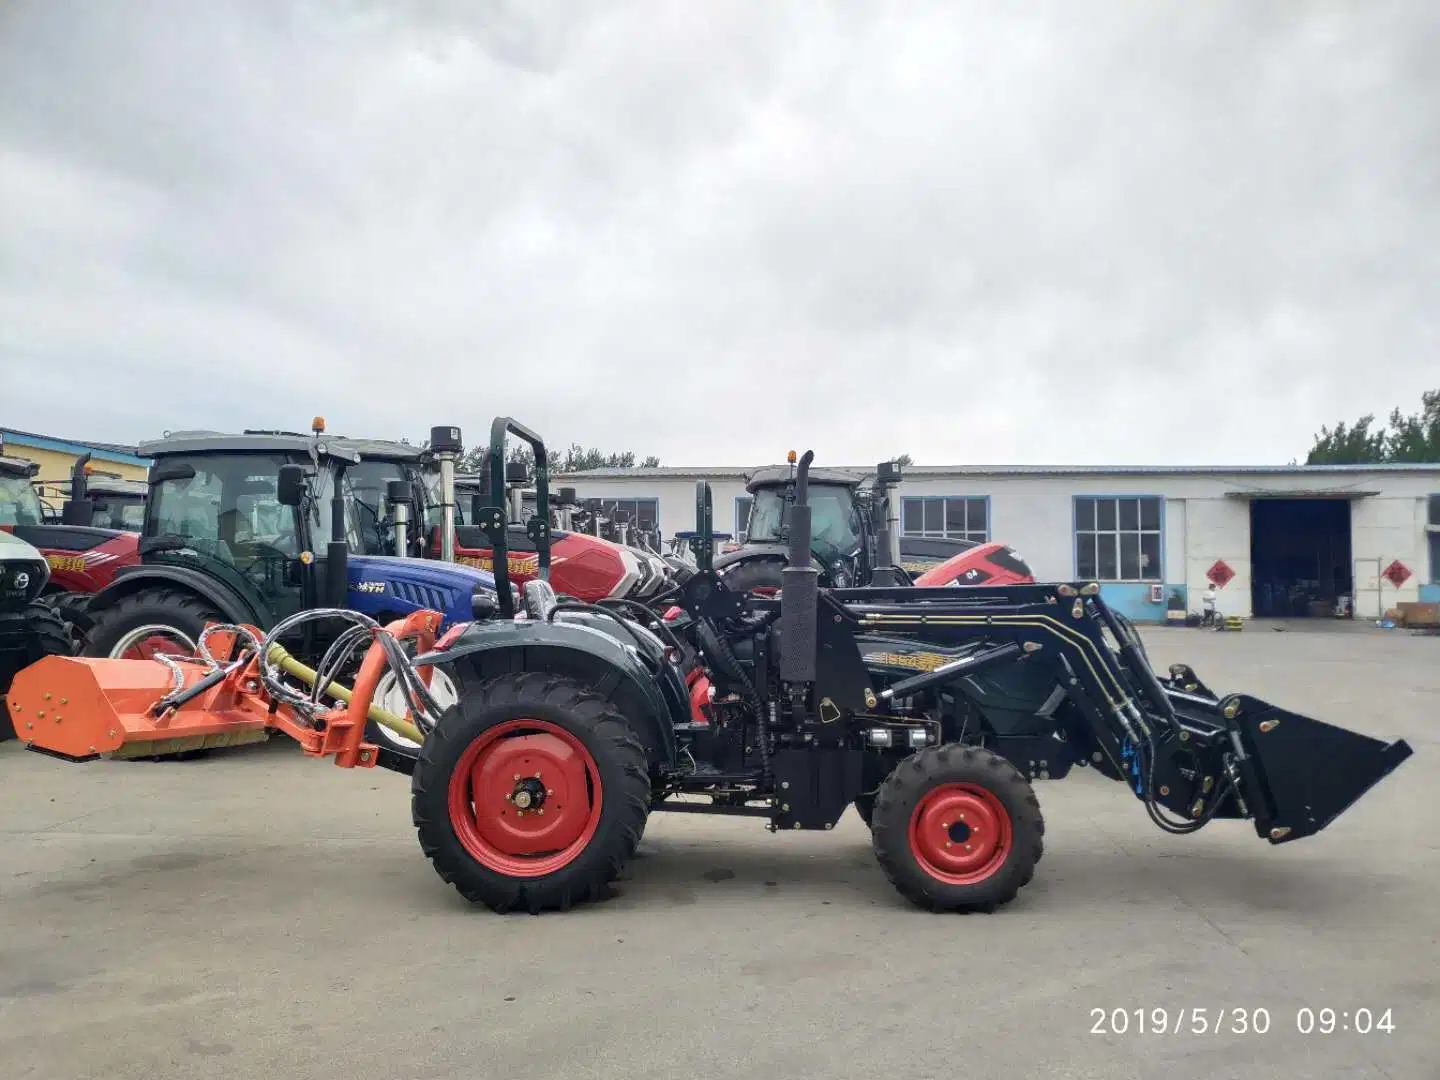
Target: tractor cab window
<point x="127" y="515"/>
<point x="369" y="481"/>
<point x="228" y="510"/>
<point x="834" y="519"/>
<point x="19" y="502"/>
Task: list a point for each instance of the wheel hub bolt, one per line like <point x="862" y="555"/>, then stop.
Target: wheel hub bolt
<point x="528" y="794"/>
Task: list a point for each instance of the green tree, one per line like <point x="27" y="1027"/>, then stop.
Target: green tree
<point x="905" y="461"/>
<point x="575" y="458"/>
<point x="1416" y="438"/>
<point x="1413" y="438"/>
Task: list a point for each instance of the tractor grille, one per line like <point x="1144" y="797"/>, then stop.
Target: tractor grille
<point x="20" y="580"/>
<point x="423" y="596"/>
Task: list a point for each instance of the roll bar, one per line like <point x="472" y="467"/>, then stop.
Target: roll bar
<point x="493" y="518"/>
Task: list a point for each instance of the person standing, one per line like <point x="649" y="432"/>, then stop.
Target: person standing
<point x="1210" y="596"/>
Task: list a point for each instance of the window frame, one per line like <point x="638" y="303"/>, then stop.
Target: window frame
<point x="614" y="504"/>
<point x="1139" y="531"/>
<point x="1432" y="536"/>
<point x="968" y="534"/>
<point x="742" y="517"/>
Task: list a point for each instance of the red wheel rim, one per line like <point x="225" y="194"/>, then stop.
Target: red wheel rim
<point x="525" y="798"/>
<point x="960" y="834"/>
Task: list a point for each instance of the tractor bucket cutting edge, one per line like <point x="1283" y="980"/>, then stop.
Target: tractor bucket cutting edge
<point x="1297" y="774"/>
<point x="79" y="708"/>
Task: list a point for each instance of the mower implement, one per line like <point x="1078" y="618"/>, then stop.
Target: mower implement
<point x="79" y="708"/>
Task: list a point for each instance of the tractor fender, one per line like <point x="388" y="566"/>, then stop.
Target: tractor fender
<point x="596" y="658"/>
<point x="133" y="579"/>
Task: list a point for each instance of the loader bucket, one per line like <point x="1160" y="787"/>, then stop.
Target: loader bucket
<point x="1306" y="772"/>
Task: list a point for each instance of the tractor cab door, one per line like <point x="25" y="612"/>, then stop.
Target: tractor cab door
<point x="221" y="514"/>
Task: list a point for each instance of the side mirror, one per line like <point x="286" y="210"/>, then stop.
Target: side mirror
<point x="516" y="472"/>
<point x="568" y="496"/>
<point x="290" y="490"/>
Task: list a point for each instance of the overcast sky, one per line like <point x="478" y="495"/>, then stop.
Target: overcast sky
<point x="1089" y="233"/>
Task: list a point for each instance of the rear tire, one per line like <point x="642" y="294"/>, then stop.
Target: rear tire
<point x="592" y="777"/>
<point x="114" y="630"/>
<point x="143" y="623"/>
<point x="957" y="828"/>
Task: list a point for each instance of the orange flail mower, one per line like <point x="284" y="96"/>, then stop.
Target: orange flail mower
<point x="79" y="708"/>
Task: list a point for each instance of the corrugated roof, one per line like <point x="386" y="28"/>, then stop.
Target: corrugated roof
<point x="682" y="472"/>
<point x="114" y="448"/>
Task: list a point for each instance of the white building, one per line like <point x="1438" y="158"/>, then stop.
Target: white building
<point x="1292" y="538"/>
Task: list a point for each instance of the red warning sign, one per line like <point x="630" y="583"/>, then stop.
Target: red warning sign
<point x="1397" y="573"/>
<point x="1220" y="574"/>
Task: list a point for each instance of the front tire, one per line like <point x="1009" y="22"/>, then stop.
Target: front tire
<point x="43" y="632"/>
<point x="508" y="752"/>
<point x="957" y="828"/>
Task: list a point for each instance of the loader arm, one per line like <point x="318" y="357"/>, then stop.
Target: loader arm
<point x="1187" y="753"/>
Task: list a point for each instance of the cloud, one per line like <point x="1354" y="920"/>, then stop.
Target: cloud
<point x="1109" y="233"/>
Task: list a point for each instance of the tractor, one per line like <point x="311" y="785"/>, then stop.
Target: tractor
<point x="88" y="546"/>
<point x="30" y="626"/>
<point x="571" y="724"/>
<point x="855" y="537"/>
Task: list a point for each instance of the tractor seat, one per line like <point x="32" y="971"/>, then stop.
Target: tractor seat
<point x="540" y="599"/>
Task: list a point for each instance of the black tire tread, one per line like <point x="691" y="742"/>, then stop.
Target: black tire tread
<point x="623" y="822"/>
<point x="170" y="602"/>
<point x="947" y="763"/>
<point x="49" y="626"/>
<point x="50" y="636"/>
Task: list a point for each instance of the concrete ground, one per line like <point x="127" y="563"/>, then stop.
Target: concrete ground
<point x="261" y="915"/>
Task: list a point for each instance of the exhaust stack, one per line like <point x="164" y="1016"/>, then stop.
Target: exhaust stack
<point x="446" y="445"/>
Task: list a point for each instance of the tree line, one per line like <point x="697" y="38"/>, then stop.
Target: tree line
<point x="1412" y="438"/>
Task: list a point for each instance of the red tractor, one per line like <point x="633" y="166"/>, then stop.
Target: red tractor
<point x="82" y="556"/>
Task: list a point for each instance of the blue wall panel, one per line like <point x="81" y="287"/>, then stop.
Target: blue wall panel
<point x="1132" y="599"/>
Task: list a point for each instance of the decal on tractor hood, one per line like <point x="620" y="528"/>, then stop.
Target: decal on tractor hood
<point x="517" y="564"/>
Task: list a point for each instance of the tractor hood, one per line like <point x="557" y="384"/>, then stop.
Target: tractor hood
<point x="13" y="549"/>
<point x="439" y="575"/>
<point x="23" y="571"/>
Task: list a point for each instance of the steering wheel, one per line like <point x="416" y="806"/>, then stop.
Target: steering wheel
<point x="257" y="555"/>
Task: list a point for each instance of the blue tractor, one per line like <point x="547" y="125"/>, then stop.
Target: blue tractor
<point x="254" y="528"/>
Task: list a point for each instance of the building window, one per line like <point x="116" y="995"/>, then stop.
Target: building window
<point x="742" y="515"/>
<point x="946" y="517"/>
<point x="1433" y="534"/>
<point x="641" y="513"/>
<point x="1118" y="539"/>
